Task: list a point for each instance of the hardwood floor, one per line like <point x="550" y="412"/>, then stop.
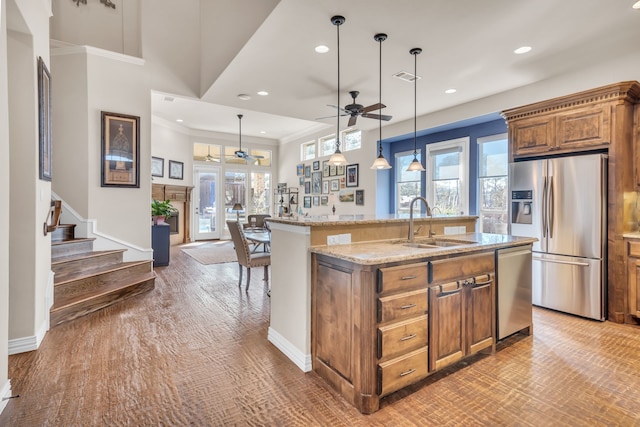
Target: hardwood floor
<point x="194" y="352"/>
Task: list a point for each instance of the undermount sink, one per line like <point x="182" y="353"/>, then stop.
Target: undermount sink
<point x="438" y="243"/>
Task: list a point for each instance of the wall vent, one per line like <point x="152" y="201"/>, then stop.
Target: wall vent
<point x="406" y="76"/>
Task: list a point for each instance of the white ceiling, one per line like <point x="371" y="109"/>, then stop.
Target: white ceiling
<point x="467" y="45"/>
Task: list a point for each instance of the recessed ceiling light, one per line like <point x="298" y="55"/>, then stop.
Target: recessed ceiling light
<point x="321" y="48"/>
<point x="450" y="91"/>
<point x="522" y="49"/>
<point x="263" y="131"/>
<point x="263" y="93"/>
<point x="179" y="120"/>
<point x="244" y="97"/>
<point x="636" y="5"/>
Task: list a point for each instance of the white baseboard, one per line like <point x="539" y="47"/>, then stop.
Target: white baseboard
<point x="5" y="393"/>
<point x="25" y="344"/>
<point x="301" y="360"/>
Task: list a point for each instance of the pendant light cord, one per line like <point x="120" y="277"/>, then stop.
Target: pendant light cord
<point x="415" y="104"/>
<point x="338" y="111"/>
<point x="380" y="39"/>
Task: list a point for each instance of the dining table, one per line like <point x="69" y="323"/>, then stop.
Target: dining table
<point x="258" y="237"/>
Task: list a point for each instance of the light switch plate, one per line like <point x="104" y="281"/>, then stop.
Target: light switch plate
<point x="333" y="240"/>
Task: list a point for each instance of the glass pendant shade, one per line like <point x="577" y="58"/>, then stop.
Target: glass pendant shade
<point x="415" y="165"/>
<point x="380" y="163"/>
<point x="337" y="159"/>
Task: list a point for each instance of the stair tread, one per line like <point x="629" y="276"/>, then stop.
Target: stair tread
<point x="61" y="279"/>
<point x="83" y="255"/>
<point x="106" y="289"/>
<point x="76" y="240"/>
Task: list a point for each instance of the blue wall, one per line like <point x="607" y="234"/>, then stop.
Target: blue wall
<point x="474" y="132"/>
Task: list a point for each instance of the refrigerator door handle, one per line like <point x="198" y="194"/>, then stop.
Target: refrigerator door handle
<point x="550" y="204"/>
<point x="544" y="207"/>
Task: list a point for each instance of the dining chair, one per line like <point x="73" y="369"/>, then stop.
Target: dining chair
<point x="259" y="220"/>
<point x="245" y="257"/>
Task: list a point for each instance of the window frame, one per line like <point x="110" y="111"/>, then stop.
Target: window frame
<point x="463" y="172"/>
<point x="397" y="203"/>
<point x="303" y="156"/>
<point x="481" y="211"/>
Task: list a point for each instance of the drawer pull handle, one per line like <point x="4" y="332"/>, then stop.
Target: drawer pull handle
<point x="408" y="277"/>
<point x="404" y="307"/>
<point x="408" y="337"/>
<point x="409" y="372"/>
<point x="483" y="283"/>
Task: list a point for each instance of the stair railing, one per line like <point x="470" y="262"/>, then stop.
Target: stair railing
<point x="54" y="214"/>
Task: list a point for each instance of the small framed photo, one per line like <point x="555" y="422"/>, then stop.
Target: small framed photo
<point x="316" y="182"/>
<point x="352" y="175"/>
<point x="332" y="170"/>
<point x="335" y="185"/>
<point x="282" y="187"/>
<point x="307" y="187"/>
<point x="360" y="197"/>
<point x="325" y="186"/>
<point x="316" y="200"/>
<point x="316" y="165"/>
<point x="324" y="200"/>
<point x="340" y="170"/>
<point x="307" y="171"/>
<point x="346" y="195"/>
<point x="120" y="151"/>
<point x="176" y="169"/>
<point x="44" y="117"/>
<point x="157" y="166"/>
<point x="326" y="169"/>
<point x="302" y="180"/>
<point x="307" y="201"/>
<point x="300" y="170"/>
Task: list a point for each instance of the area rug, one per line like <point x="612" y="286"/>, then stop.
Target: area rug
<point x="212" y="252"/>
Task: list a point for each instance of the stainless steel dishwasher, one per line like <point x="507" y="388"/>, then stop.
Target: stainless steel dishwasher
<point x="514" y="290"/>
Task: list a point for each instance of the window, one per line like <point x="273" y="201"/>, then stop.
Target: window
<point x="206" y="152"/>
<point x="235" y="190"/>
<point x="351" y="139"/>
<point x="447" y="176"/>
<point x="308" y="150"/>
<point x="260" y="197"/>
<point x="327" y="145"/>
<point x="266" y="157"/>
<point x="408" y="184"/>
<point x="493" y="183"/>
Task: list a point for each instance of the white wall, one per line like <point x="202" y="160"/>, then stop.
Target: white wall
<point x="30" y="198"/>
<point x="4" y="211"/>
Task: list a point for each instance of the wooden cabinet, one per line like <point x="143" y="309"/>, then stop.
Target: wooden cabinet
<point x="575" y="130"/>
<point x="178" y="195"/>
<point x="633" y="277"/>
<point x="462" y="310"/>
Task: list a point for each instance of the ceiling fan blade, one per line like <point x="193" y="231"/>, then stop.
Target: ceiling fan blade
<point x="352" y="120"/>
<point x="377" y="116"/>
<point x="373" y="107"/>
<point x="339" y="108"/>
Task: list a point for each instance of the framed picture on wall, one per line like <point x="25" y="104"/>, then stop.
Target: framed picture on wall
<point x="316" y="182"/>
<point x="324" y="200"/>
<point x="307" y="171"/>
<point x="325" y="186"/>
<point x="307" y="187"/>
<point x="120" y="150"/>
<point x="300" y="170"/>
<point x="316" y="200"/>
<point x="301" y="182"/>
<point x="44" y="116"/>
<point x="307" y="201"/>
<point x="326" y="169"/>
<point x="176" y="169"/>
<point x="352" y="175"/>
<point x="316" y="165"/>
<point x="157" y="166"/>
<point x="360" y="197"/>
<point x="335" y="185"/>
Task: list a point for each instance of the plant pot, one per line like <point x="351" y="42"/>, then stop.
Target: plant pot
<point x="159" y="219"/>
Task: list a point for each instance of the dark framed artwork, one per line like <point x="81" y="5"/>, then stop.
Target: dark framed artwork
<point x="307" y="187"/>
<point x="120" y="153"/>
<point x="300" y="169"/>
<point x="316" y="200"/>
<point x="326" y="169"/>
<point x="316" y="165"/>
<point x="301" y="182"/>
<point x="307" y="201"/>
<point x="316" y="182"/>
<point x="157" y="166"/>
<point x="340" y="170"/>
<point x="335" y="185"/>
<point x="324" y="200"/>
<point x="307" y="171"/>
<point x="360" y="197"/>
<point x="176" y="169"/>
<point x="44" y="118"/>
<point x="352" y="175"/>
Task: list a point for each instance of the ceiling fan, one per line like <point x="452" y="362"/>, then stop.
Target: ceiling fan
<point x="354" y="110"/>
<point x="240" y="153"/>
<point x="209" y="157"/>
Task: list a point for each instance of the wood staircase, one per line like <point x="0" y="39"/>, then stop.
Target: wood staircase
<point x="86" y="280"/>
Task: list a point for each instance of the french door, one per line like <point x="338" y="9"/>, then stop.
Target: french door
<point x="207" y="218"/>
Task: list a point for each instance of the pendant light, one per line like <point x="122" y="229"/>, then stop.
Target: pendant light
<point x="415" y="165"/>
<point x="337" y="158"/>
<point x="380" y="162"/>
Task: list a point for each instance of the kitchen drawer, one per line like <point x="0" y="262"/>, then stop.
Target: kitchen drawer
<point x="401" y="337"/>
<point x="465" y="266"/>
<point x="402" y="277"/>
<point x="402" y="371"/>
<point x="402" y="305"/>
<point x="634" y="249"/>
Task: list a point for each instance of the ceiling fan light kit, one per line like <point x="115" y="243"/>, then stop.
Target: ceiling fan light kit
<point x="240" y="153"/>
<point x="415" y="164"/>
<point x="380" y="162"/>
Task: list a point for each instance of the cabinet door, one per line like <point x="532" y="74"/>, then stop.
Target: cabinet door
<point x="584" y="128"/>
<point x="446" y="344"/>
<point x="480" y="314"/>
<point x="532" y="136"/>
<point x="633" y="286"/>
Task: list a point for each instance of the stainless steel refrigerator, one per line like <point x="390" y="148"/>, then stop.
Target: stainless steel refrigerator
<point x="563" y="202"/>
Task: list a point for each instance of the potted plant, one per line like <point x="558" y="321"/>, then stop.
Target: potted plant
<point x="161" y="210"/>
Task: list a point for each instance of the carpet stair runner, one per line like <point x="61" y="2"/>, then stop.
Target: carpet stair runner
<point x="86" y="281"/>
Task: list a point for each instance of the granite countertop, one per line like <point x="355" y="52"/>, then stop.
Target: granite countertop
<point x="359" y="219"/>
<point x="383" y="251"/>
